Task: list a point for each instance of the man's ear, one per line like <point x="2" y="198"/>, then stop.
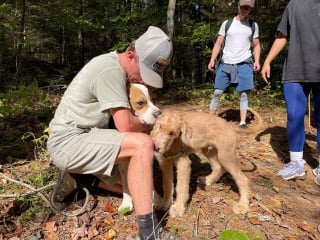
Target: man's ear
<point x="131" y="55"/>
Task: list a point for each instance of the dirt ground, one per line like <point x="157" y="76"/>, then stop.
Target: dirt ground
<point x="279" y="209"/>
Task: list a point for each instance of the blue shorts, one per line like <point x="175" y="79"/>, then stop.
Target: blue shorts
<point x="245" y="78"/>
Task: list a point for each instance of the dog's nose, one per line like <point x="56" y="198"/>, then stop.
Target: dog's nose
<point x="157" y="113"/>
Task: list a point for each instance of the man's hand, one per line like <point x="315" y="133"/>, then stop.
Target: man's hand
<point x="265" y="72"/>
<point x="211" y="65"/>
<point x="256" y="66"/>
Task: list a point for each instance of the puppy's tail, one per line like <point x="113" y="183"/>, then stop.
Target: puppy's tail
<point x="254" y="129"/>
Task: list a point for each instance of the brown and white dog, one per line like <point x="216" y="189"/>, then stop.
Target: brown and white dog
<point x="142" y="107"/>
<point x="178" y="134"/>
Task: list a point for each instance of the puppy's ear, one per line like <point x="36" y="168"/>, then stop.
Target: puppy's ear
<point x="186" y="133"/>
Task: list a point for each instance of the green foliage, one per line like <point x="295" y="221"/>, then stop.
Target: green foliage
<point x="22" y="97"/>
<point x="236" y="235"/>
<point x="33" y="205"/>
<point x="124" y="211"/>
<point x="201" y="33"/>
<point x="38" y="142"/>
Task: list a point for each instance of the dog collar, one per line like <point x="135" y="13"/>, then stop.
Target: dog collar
<point x="179" y="154"/>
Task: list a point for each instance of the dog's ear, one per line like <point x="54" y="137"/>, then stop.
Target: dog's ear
<point x="186" y="133"/>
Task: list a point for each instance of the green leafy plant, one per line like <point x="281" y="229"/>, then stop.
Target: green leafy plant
<point x="125" y="211"/>
<point x="23" y="97"/>
<point x="236" y="235"/>
<point x="39" y="143"/>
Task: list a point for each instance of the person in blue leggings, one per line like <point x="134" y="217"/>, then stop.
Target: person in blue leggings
<point x="299" y="26"/>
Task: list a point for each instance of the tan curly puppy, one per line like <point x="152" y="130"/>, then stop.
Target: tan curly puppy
<point x="177" y="134"/>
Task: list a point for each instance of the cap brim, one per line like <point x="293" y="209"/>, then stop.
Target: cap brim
<point x="246" y="4"/>
<point x="150" y="77"/>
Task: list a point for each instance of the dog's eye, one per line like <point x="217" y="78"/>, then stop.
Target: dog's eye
<point x="140" y="103"/>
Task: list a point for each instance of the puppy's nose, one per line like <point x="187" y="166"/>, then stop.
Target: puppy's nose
<point x="157" y="113"/>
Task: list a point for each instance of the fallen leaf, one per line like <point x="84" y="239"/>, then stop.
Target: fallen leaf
<point x="109" y="219"/>
<point x="254" y="221"/>
<point x="215" y="200"/>
<point x="275" y="205"/>
<point x="109" y="208"/>
<point x="109" y="235"/>
<point x="306" y="227"/>
<point x="92" y="231"/>
<point x="17" y="232"/>
<point x="81" y="231"/>
<point x="49" y="230"/>
<point x="276" y="189"/>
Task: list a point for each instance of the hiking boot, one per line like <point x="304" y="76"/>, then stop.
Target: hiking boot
<point x="316" y="173"/>
<point x="243" y="125"/>
<point x="161" y="234"/>
<point x="66" y="185"/>
<point x="292" y="169"/>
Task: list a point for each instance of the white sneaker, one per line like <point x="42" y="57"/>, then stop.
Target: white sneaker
<point x="292" y="169"/>
<point x="316" y="173"/>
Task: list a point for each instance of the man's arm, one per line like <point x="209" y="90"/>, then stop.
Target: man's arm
<point x="256" y="54"/>
<point x="215" y="52"/>
<point x="125" y="121"/>
<point x="277" y="46"/>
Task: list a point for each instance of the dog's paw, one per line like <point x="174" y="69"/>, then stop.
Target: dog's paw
<point x="240" y="208"/>
<point x="177" y="210"/>
<point x="126" y="204"/>
<point x="203" y="180"/>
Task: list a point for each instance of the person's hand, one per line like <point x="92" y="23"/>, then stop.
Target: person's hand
<point x="211" y="65"/>
<point x="265" y="72"/>
<point x="256" y="66"/>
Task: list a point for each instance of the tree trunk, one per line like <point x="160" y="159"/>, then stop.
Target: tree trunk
<point x="19" y="37"/>
<point x="170" y="17"/>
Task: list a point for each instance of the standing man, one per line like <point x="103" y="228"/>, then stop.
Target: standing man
<point x="80" y="139"/>
<point x="237" y="65"/>
<point x="299" y="26"/>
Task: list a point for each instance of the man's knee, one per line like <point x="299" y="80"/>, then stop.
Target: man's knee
<point x="243" y="100"/>
<point x="217" y="93"/>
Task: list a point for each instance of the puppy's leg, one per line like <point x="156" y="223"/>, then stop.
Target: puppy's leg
<point x="127" y="200"/>
<point x="183" y="165"/>
<point x="243" y="183"/>
<point x="166" y="167"/>
<point x="216" y="167"/>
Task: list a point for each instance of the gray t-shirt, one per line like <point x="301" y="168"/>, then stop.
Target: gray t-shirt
<point x="301" y="23"/>
<point x="99" y="86"/>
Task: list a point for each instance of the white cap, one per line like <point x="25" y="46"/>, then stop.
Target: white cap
<point x="249" y="3"/>
<point x="154" y="49"/>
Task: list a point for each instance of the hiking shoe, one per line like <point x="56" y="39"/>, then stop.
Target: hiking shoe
<point x="162" y="234"/>
<point x="66" y="185"/>
<point x="316" y="172"/>
<point x="291" y="170"/>
<point x="243" y="125"/>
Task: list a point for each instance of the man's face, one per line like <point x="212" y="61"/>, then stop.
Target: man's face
<point x="244" y="10"/>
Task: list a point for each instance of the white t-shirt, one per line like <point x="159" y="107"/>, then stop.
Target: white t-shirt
<point x="238" y="41"/>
